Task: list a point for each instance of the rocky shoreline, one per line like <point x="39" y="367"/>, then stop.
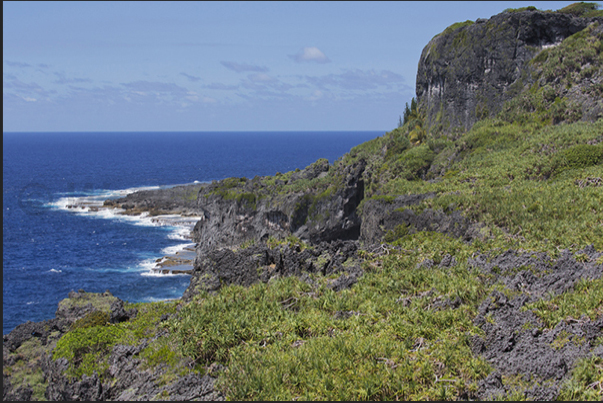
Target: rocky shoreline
<point x="510" y="343"/>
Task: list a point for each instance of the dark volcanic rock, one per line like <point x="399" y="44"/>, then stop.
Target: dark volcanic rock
<point x="516" y="340"/>
<point x="20" y="394"/>
<point x="467" y="73"/>
<point x="177" y="200"/>
<point x="380" y="216"/>
<point x="246" y="266"/>
<point x="253" y="215"/>
<point x="126" y="378"/>
<point x="26" y="331"/>
<point x="81" y="303"/>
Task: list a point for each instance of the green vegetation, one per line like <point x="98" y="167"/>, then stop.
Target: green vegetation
<point x="392" y="335"/>
<point x="586" y="381"/>
<point x="556" y="71"/>
<point x="88" y="345"/>
<point x="585" y="299"/>
<point x="583" y="9"/>
<point x="520" y="9"/>
<point x="26" y="371"/>
<point x="285" y="340"/>
<point x="456" y="26"/>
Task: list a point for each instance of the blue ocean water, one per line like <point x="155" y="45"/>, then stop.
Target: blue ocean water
<point x="48" y="251"/>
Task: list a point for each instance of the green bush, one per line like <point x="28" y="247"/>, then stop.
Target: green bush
<point x="582" y="9"/>
<point x="95" y="318"/>
<point x="414" y="163"/>
<point x="398" y="232"/>
<point x="578" y="156"/>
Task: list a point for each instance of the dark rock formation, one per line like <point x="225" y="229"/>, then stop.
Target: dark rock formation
<point x="379" y="216"/>
<point x="516" y="341"/>
<point x="467" y="72"/>
<point x="81" y="303"/>
<point x="254" y="215"/>
<point x="127" y="381"/>
<point x="255" y="263"/>
<point x="176" y="200"/>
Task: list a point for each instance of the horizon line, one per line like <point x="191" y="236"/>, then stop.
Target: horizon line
<point x="193" y="131"/>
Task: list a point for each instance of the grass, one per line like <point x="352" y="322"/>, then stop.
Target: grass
<point x="586" y="299"/>
<point x="26" y="371"/>
<point x="277" y="351"/>
<point x="516" y="173"/>
<point x="88" y="345"/>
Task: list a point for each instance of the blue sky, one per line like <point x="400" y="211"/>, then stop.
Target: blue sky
<point x="219" y="66"/>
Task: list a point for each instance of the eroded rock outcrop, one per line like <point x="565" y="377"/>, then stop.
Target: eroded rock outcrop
<point x="180" y="199"/>
<point x="238" y="211"/>
<point x="246" y="266"/>
<point x="381" y="216"/>
<point x="516" y="340"/>
<point x="125" y="380"/>
<point x="468" y="71"/>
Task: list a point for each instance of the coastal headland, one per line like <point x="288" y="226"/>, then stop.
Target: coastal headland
<point x="458" y="256"/>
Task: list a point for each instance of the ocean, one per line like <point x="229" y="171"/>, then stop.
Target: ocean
<point x="50" y="249"/>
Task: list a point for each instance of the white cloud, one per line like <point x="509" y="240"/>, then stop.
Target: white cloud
<point x="16" y="64"/>
<point x="220" y="86"/>
<point x="310" y="54"/>
<point x="316" y="95"/>
<point x="357" y="79"/>
<point x="155" y="86"/>
<point x="62" y="79"/>
<point x="191" y="78"/>
<point x="241" y="67"/>
<point x="260" y="77"/>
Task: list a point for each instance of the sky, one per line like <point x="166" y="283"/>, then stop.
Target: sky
<point x="219" y="66"/>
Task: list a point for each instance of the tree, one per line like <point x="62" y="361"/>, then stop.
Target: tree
<point x="406" y="113"/>
<point x="415" y="120"/>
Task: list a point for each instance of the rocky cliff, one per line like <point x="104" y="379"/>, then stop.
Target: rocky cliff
<point x="470" y="70"/>
<point x="315" y="204"/>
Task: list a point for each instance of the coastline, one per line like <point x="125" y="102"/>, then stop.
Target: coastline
<point x="163" y="207"/>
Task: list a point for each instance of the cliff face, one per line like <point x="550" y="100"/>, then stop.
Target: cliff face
<point x="252" y="210"/>
<point x="467" y="72"/>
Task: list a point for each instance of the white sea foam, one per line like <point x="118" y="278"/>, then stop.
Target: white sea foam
<point x="153" y="273"/>
<point x="181" y="233"/>
<point x="153" y="299"/>
<point x="55" y="271"/>
<point x="147" y="265"/>
<point x="91" y="205"/>
<point x="172" y="250"/>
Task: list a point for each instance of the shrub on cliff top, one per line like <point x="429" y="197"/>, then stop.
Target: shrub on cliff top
<point x="456" y="26"/>
<point x="520" y="9"/>
<point x="582" y="9"/>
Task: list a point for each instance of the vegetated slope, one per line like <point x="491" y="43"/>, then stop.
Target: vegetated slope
<point x="421" y="265"/>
